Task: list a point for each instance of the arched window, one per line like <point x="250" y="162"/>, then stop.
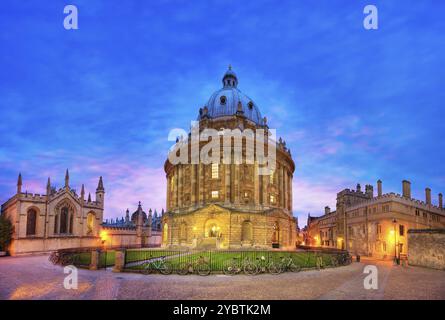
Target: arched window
<point x="90" y="223"/>
<point x="64" y="216"/>
<point x="247" y="231"/>
<point x="56" y="223"/>
<point x="31" y="220"/>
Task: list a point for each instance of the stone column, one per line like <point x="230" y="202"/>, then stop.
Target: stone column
<point x="227" y="173"/>
<point x="193" y="184"/>
<point x="237" y="188"/>
<point x="94" y="264"/>
<point x="256" y="185"/>
<point x="200" y="184"/>
<point x="281" y="185"/>
<point x="119" y="260"/>
<point x="285" y="204"/>
<point x="290" y="192"/>
<point x="180" y="185"/>
<point x="266" y="180"/>
<point x="167" y="206"/>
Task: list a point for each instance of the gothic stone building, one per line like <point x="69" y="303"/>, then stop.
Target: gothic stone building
<point x="374" y="226"/>
<point x="220" y="205"/>
<point x="59" y="219"/>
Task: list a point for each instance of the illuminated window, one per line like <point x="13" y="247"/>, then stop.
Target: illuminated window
<point x="401" y="230"/>
<point x="215" y="171"/>
<point x="272" y="198"/>
<point x="215" y="194"/>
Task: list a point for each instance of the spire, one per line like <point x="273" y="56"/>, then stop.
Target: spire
<point x="67" y="179"/>
<point x="89" y="197"/>
<point x="149" y="212"/>
<point x="82" y="192"/>
<point x="127" y="216"/>
<point x="100" y="185"/>
<point x="19" y="183"/>
<point x="48" y="187"/>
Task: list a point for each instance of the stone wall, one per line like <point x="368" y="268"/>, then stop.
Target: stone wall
<point x="427" y="248"/>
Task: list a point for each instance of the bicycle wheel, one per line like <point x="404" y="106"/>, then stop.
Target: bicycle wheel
<point x="203" y="269"/>
<point x="251" y="269"/>
<point x="165" y="268"/>
<point x="66" y="260"/>
<point x="230" y="268"/>
<point x="147" y="269"/>
<point x="274" y="268"/>
<point x="294" y="268"/>
<point x="183" y="269"/>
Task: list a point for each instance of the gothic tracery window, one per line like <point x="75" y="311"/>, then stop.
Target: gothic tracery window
<point x="31" y="220"/>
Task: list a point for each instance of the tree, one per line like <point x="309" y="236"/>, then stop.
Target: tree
<point x="6" y="230"/>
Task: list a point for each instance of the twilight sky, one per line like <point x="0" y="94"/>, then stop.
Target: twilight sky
<point x="353" y="105"/>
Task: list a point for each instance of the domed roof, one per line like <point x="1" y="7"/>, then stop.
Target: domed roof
<point x="229" y="100"/>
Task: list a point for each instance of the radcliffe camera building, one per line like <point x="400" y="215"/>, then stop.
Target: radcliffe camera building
<point x="374" y="225"/>
<point x="221" y="205"/>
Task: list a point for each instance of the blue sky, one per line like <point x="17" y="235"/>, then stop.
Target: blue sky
<point x="353" y="105"/>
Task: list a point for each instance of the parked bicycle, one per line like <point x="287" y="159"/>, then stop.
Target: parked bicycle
<point x="232" y="266"/>
<point x="287" y="264"/>
<point x="62" y="258"/>
<point x="158" y="264"/>
<point x="235" y="266"/>
<point x="341" y="259"/>
<point x="54" y="257"/>
<point x="200" y="266"/>
<point x="261" y="266"/>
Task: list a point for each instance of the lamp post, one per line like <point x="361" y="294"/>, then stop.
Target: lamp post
<point x="394" y="221"/>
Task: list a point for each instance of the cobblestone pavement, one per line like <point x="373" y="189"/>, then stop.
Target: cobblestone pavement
<point x="34" y="277"/>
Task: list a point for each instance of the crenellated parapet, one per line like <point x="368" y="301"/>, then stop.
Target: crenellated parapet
<point x="400" y="199"/>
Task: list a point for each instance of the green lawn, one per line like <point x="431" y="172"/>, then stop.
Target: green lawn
<point x="84" y="258"/>
<point x="134" y="255"/>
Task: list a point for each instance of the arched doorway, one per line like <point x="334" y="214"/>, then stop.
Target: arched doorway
<point x="212" y="229"/>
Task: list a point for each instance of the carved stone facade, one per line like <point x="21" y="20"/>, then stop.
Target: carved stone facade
<point x="375" y="226"/>
<point x="59" y="219"/>
<point x="230" y="205"/>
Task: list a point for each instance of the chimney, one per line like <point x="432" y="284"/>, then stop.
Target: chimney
<point x="379" y="188"/>
<point x="327" y="210"/>
<point x="440" y="201"/>
<point x="428" y="195"/>
<point x="406" y="189"/>
<point x="359" y="188"/>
